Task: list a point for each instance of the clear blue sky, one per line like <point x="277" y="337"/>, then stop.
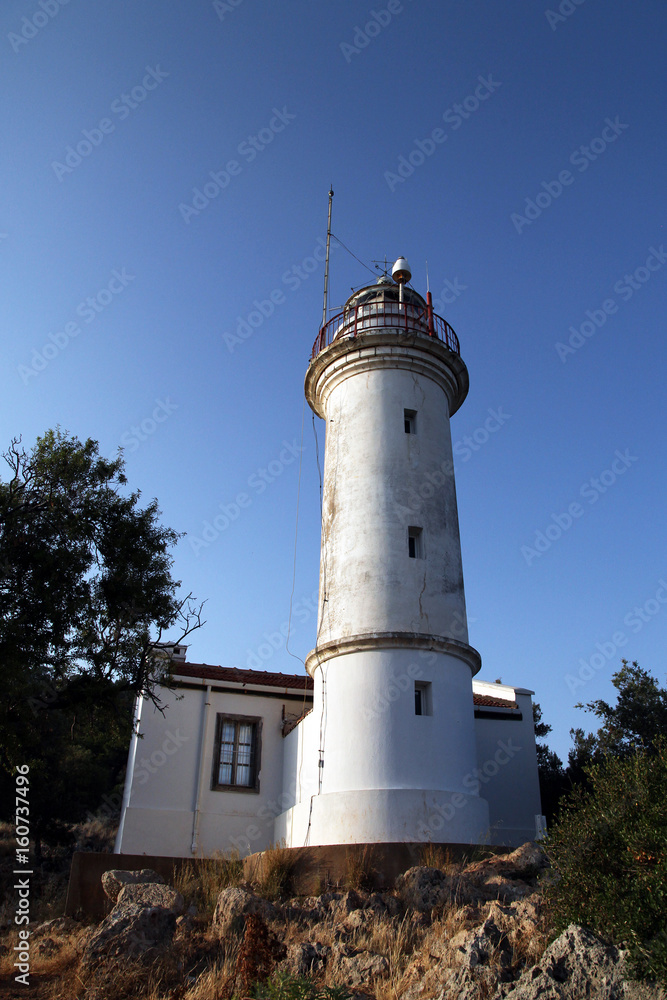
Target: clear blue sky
<point x="114" y="114"/>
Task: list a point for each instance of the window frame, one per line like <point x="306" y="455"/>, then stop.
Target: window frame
<point x="424" y="688"/>
<point x="416" y="535"/>
<point x="256" y="751"/>
<point x="410" y="421"/>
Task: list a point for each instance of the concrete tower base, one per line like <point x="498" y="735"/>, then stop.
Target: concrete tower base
<point x="380" y="815"/>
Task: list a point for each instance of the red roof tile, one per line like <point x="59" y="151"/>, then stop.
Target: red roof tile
<point x="299" y="682"/>
<point x="265" y="678"/>
<point x="486" y="701"/>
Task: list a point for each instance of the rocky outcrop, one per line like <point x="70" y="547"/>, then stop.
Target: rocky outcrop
<point x="474" y="933"/>
<point x="142" y="921"/>
<point x="114" y="880"/>
<point x="359" y="968"/>
<point x="152" y="894"/>
<point x="131" y="931"/>
<point x="423" y="888"/>
<point x="577" y="964"/>
<point x="233" y="904"/>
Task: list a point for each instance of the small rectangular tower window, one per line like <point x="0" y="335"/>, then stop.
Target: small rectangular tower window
<point x="410" y="419"/>
<point x="415" y="547"/>
<point x="423" y="698"/>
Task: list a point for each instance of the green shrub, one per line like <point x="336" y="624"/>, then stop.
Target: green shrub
<point x="280" y="987"/>
<point x="609" y="856"/>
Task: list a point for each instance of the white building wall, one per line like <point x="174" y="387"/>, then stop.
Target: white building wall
<point x="386" y="771"/>
<point x="159" y="815"/>
<point x="378" y="482"/>
<point x="507" y="774"/>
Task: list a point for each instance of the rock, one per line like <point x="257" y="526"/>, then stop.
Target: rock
<point x="59" y="925"/>
<point x="346" y="904"/>
<point x="358" y="969"/>
<point x="130" y="931"/>
<point x="234" y="903"/>
<point x="307" y="958"/>
<point x="526" y="861"/>
<point x="507" y="877"/>
<point x="114" y="880"/>
<point x="576" y="965"/>
<point x="359" y="918"/>
<point x="48" y="947"/>
<point x="476" y="947"/>
<point x="423" y="888"/>
<point x="152" y="894"/>
<point x="383" y="902"/>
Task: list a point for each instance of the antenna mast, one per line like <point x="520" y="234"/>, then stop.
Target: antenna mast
<point x="326" y="263"/>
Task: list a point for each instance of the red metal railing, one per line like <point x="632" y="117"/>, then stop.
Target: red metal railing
<point x="370" y="316"/>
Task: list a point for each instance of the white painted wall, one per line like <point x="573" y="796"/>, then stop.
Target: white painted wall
<point x="159" y="813"/>
<point x="379" y="481"/>
<point x="507" y="772"/>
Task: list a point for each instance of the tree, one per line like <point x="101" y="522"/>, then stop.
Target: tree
<point x="609" y="856"/>
<point x="86" y="594"/>
<point x="635" y="722"/>
<point x="549" y="768"/>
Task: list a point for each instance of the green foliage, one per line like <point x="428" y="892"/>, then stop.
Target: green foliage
<point x="85" y="593"/>
<point x="549" y="768"/>
<point x="609" y="855"/>
<point x="281" y="987"/>
<point x="637" y="719"/>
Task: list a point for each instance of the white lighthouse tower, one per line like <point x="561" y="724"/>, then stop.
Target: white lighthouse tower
<point x="387" y="753"/>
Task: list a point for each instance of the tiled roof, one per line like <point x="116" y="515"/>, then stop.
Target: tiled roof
<point x="265" y="678"/>
<point x="483" y="700"/>
<point x="299" y="682"/>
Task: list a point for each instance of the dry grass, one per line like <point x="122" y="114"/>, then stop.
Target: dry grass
<point x="360" y="869"/>
<point x="57" y="965"/>
<point x="434" y="856"/>
<point x="201" y="882"/>
<point x="274" y="877"/>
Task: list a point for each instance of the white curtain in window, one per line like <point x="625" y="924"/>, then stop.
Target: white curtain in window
<point x="226" y="753"/>
<point x="244" y="759"/>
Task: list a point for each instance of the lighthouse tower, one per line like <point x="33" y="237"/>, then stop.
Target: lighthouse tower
<point x="388" y="751"/>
